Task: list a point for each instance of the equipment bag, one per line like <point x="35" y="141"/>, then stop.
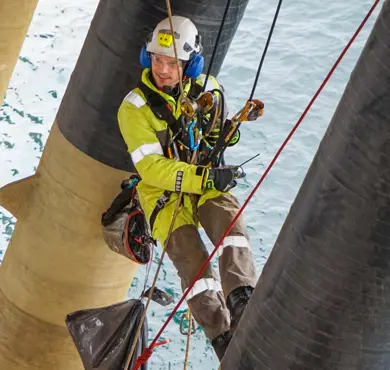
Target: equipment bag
<point x="125" y="229"/>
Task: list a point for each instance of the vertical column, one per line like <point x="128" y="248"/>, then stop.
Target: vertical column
<point x="15" y="19"/>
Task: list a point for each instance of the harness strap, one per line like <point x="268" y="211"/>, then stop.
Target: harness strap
<point x="161" y="110"/>
<point x="159" y="107"/>
<point x="159" y="206"/>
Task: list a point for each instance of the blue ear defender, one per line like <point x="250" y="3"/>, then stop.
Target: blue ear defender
<point x="144" y="58"/>
<point x="194" y="66"/>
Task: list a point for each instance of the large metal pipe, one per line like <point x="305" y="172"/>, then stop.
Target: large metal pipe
<point x="57" y="261"/>
<point x="15" y="18"/>
<point x="323" y="299"/>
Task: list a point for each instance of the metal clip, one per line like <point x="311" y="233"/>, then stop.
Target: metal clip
<point x="253" y="109"/>
<point x="194" y="146"/>
<point x="130" y="182"/>
<point x="183" y="329"/>
<point x="239" y="172"/>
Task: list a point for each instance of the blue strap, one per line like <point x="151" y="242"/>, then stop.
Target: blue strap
<point x="192" y="137"/>
<point x="134" y="180"/>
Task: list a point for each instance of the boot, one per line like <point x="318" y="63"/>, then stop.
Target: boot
<point x="220" y="344"/>
<point x="236" y="303"/>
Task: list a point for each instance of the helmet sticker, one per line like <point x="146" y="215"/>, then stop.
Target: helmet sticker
<point x="165" y="38"/>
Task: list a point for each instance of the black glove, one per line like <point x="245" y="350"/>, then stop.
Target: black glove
<point x="223" y="178"/>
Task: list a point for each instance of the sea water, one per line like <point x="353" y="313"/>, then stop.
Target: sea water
<point x="307" y="40"/>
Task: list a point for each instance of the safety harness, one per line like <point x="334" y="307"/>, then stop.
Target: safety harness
<point x="161" y="110"/>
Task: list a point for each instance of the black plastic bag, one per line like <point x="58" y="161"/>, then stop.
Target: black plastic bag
<point x="104" y="336"/>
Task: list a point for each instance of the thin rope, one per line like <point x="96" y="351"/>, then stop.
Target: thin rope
<point x="174" y="46"/>
<point x="189" y="318"/>
<point x="216" y="44"/>
<point x="152" y="345"/>
<point x="148" y="268"/>
<point x="154" y="283"/>
<point x="168" y="4"/>
<point x="265" y="49"/>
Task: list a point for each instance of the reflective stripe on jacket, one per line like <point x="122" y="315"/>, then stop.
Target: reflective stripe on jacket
<point x="146" y="137"/>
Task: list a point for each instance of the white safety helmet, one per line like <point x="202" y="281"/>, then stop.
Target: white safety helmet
<point x="187" y="39"/>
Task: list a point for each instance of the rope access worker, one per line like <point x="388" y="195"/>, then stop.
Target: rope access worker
<point x="149" y="122"/>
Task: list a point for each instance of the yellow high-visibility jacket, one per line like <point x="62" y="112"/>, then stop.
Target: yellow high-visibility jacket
<point x="146" y="139"/>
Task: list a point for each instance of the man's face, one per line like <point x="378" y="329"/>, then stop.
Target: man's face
<point x="164" y="70"/>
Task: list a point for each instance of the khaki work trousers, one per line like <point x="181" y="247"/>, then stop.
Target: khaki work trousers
<point x="207" y="299"/>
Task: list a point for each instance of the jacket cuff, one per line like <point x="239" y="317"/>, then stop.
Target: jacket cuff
<point x="235" y="139"/>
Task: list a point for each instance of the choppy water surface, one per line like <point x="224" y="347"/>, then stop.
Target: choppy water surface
<point x="307" y="41"/>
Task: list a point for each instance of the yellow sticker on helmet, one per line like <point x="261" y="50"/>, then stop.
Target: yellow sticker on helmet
<point x="165" y="39"/>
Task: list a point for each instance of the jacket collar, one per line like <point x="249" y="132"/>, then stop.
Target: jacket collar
<point x="147" y="79"/>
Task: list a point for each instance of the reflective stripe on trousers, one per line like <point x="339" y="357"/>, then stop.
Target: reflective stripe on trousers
<point x="207" y="298"/>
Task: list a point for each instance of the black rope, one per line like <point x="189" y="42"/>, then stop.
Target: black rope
<point x="257" y="74"/>
<point x="265" y="49"/>
<point x="216" y="44"/>
<point x="221" y="158"/>
<point x="225" y="145"/>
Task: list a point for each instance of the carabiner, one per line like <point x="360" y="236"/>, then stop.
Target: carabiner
<point x="184" y="330"/>
<point x="192" y="137"/>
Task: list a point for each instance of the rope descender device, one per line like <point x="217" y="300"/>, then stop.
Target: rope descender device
<point x="252" y="110"/>
<point x="203" y="104"/>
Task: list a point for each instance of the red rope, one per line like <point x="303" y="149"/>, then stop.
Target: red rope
<point x="261" y="179"/>
<point x="147" y="353"/>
